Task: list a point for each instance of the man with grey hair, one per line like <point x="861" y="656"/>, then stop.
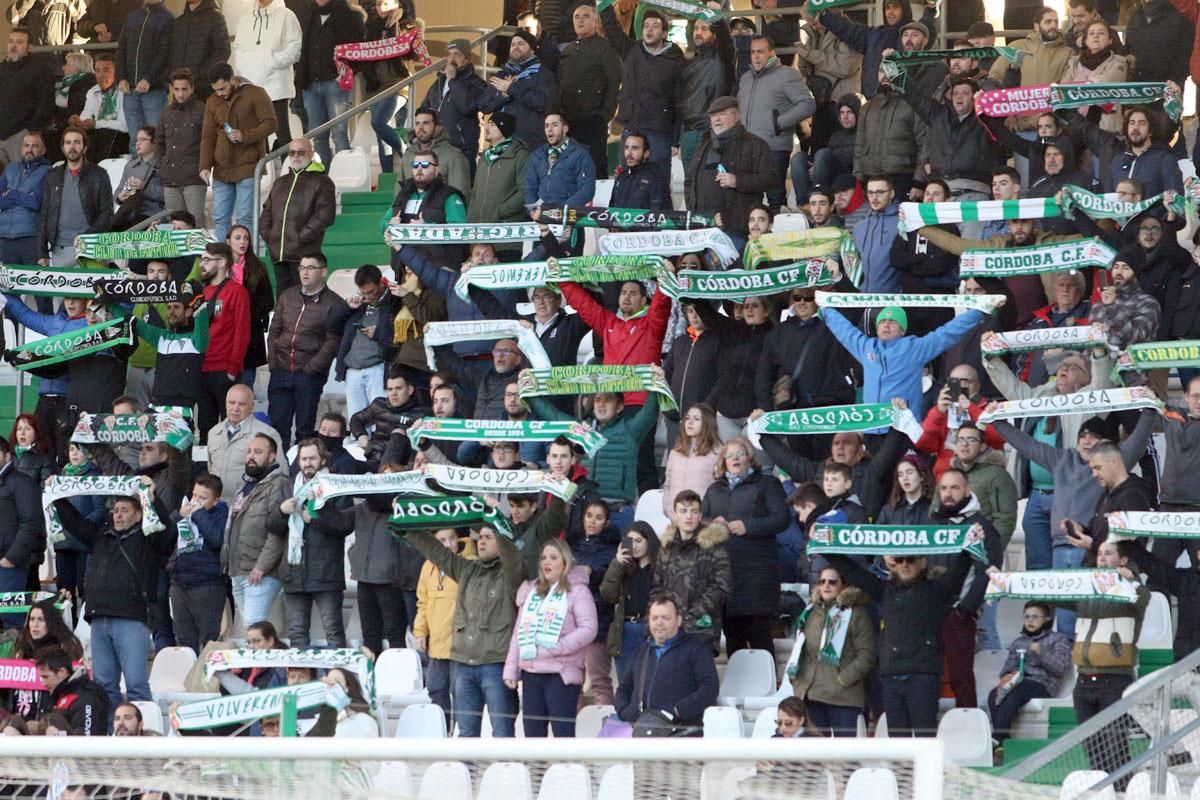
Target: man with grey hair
<point x="299" y="209"/>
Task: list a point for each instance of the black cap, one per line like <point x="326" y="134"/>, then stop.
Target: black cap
<point x="507" y="123"/>
<point x="529" y="38"/>
<point x="821" y="190"/>
<point x="843" y="182"/>
<point x="1133" y="255"/>
<point x="722" y="104"/>
<point x="1094" y="426"/>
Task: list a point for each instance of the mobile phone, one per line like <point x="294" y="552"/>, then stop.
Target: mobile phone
<point x="227" y="128"/>
<point x="627" y="543"/>
<point x="955" y="386"/>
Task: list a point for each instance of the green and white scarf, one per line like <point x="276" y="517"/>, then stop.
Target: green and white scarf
<point x="737" y="283"/>
<point x="1078" y="95"/>
<point x="507" y="430"/>
<point x="833" y="634"/>
<point x="53" y="281"/>
<point x="241" y="708"/>
<point x="1062" y="584"/>
<point x="898" y="540"/>
<point x="498" y="149"/>
<point x="1037" y="259"/>
<point x="581" y="269"/>
<point x="918" y="215"/>
<point x="817" y="6"/>
<point x="1074" y="337"/>
<point x="72" y="344"/>
<point x="499" y="481"/>
<point x="61" y="487"/>
<point x="172" y="428"/>
<point x="669" y="243"/>
<point x="1099" y="401"/>
<point x="22" y="602"/>
<point x="1159" y="524"/>
<point x="444" y="511"/>
<point x="140" y="244"/>
<point x="187" y="540"/>
<point x="128" y="291"/>
<point x="295" y="540"/>
<point x="1160" y="355"/>
<point x="896" y="64"/>
<point x="466" y="233"/>
<point x="1102" y="206"/>
<point x="596" y="379"/>
<point x="987" y="303"/>
<point x="688" y="9"/>
<point x="828" y="419"/>
<point x="311" y="658"/>
<point x="325" y="486"/>
<point x="626" y="219"/>
<point x="799" y="246"/>
<point x="440" y="333"/>
<point x="541" y="621"/>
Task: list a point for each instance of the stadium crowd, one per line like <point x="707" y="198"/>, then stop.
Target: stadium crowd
<point x="545" y="593"/>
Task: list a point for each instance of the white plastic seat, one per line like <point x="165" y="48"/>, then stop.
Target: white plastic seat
<point x="115" y="167"/>
<point x="1194" y="794"/>
<point x="872" y="783"/>
<point x="1157" y="631"/>
<point x="1139" y="788"/>
<point x="590" y="719"/>
<point x="881" y="729"/>
<point x="170" y="670"/>
<point x="789" y="222"/>
<point x="1076" y="784"/>
<point x="445" y="780"/>
<point x="399" y="682"/>
<point x="505" y="780"/>
<point x="764" y="723"/>
<point x="749" y="673"/>
<point x="722" y="722"/>
<point x="422" y="721"/>
<point x="152" y="717"/>
<point x="393" y="779"/>
<point x="616" y="783"/>
<point x="649" y="510"/>
<point x="752" y="704"/>
<point x="341" y="281"/>
<point x="566" y="780"/>
<point x="603" y="193"/>
<point x="350" y="171"/>
<point x="967" y="735"/>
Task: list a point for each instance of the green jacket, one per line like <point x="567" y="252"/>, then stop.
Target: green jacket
<point x="145" y="355"/>
<point x="614" y="467"/>
<point x="499" y="192"/>
<point x="487" y="598"/>
<point x="840" y="685"/>
<point x="997" y="493"/>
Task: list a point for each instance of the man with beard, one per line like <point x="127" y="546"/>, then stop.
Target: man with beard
<point x="455" y="96"/>
<point x="127" y="721"/>
<point x="426" y="198"/>
<point x="707" y="75"/>
<point x="76" y="199"/>
<point x="872" y="41"/>
<point x="523" y="87"/>
<point x="298" y="210"/>
<point x="1142" y="147"/>
<point x="395" y="411"/>
<point x="874" y="235"/>
<point x="180" y="348"/>
<point x="228" y="331"/>
<point x="820" y="208"/>
<point x="639" y="182"/>
<point x="428" y="134"/>
<point x="922" y="80"/>
<point x="249" y="556"/>
<point x="561" y="173"/>
<point x="1045" y="64"/>
<point x="229" y="439"/>
<point x="889" y="140"/>
<point x="730" y="171"/>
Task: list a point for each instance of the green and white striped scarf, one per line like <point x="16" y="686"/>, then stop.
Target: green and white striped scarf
<point x="541" y="621"/>
<point x="828" y="419"/>
<point x="1062" y="584"/>
<point x="1159" y="355"/>
<point x="737" y="283"/>
<point x="1099" y="401"/>
<point x="1005" y="262"/>
<point x="898" y="540"/>
<point x="499" y="481"/>
<point x="505" y="431"/>
<point x="325" y="486"/>
<point x="896" y="64"/>
<point x="445" y="511"/>
<point x="1073" y="337"/>
<point x="580" y="269"/>
<point x="1102" y="206"/>
<point x="62" y="486"/>
<point x="1158" y="524"/>
<point x="53" y="281"/>
<point x="72" y="344"/>
<point x="140" y="244"/>
<point x="918" y="215"/>
<point x="987" y="303"/>
<point x="440" y="333"/>
<point x="596" y="379"/>
<point x="1078" y="95"/>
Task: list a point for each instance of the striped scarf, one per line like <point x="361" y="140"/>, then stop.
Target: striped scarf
<point x="918" y="215"/>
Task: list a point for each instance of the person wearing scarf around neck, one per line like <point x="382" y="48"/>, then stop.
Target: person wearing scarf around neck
<point x="1038" y="660"/>
<point x="1097" y="63"/>
<point x="556" y="621"/>
<point x="838" y="652"/>
<point x="497" y="195"/>
<point x="31" y="449"/>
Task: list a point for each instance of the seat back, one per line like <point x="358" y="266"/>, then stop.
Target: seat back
<point x="422" y="721"/>
<point x="170" y="669"/>
<point x="152" y="717"/>
<point x="872" y="783"/>
<point x="1139" y="788"/>
<point x="505" y="780"/>
<point x="393" y="779"/>
<point x="722" y="722"/>
<point x="649" y="510"/>
<point x="603" y="193"/>
<point x="764" y="723"/>
<point x="616" y="783"/>
<point x="350" y="171"/>
<point x="967" y="736"/>
<point x="1076" y="784"/>
<point x="590" y="719"/>
<point x="1157" y="632"/>
<point x="398" y="671"/>
<point x="445" y="780"/>
<point x="789" y="222"/>
<point x="566" y="780"/>
<point x="749" y="673"/>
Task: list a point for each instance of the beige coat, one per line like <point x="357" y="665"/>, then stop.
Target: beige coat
<point x="1045" y="65"/>
<point x="227" y="456"/>
<point x="1114" y="69"/>
<point x="836" y="61"/>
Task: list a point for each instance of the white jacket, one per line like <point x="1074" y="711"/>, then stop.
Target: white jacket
<point x="267" y="46"/>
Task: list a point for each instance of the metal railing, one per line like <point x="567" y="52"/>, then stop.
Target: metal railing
<point x="395" y="89"/>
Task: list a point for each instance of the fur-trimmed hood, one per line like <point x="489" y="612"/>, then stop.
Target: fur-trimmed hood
<point x="711" y="535"/>
<point x="850" y="597"/>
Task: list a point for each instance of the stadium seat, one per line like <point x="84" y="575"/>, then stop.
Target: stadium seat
<point x="1033" y="720"/>
<point x="1139" y="788"/>
<point x="152" y="717"/>
<point x="422" y="721"/>
<point x="170" y="669"/>
<point x="988" y="664"/>
<point x="967" y="735"/>
<point x="881" y="729"/>
<point x="872" y="783"/>
<point x="341" y="281"/>
<point x="749" y="673"/>
<point x="649" y="510"/>
<point x="505" y="780"/>
<point x="399" y="682"/>
<point x="1194" y="794"/>
<point x="764" y="723"/>
<point x="616" y="783"/>
<point x="1078" y="782"/>
<point x="393" y="779"/>
<point x="722" y="722"/>
<point x="753" y="704"/>
<point x="589" y="720"/>
<point x="445" y="780"/>
<point x="350" y="171"/>
<point x="1157" y="631"/>
<point x="565" y="780"/>
<point x="603" y="193"/>
<point x="789" y="222"/>
<point x="115" y="167"/>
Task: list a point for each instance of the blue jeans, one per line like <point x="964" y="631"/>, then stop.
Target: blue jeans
<point x="633" y="634"/>
<point x="323" y="101"/>
<point x="987" y="637"/>
<point x="363" y="386"/>
<point x="228" y="198"/>
<point x="385" y="131"/>
<point x="21" y="250"/>
<point x="142" y="109"/>
<point x="660" y="149"/>
<point x="13" y="579"/>
<point x="1036" y="523"/>
<point x="477" y="685"/>
<point x="255" y="601"/>
<point x="120" y="647"/>
<point x="293" y="395"/>
<point x="299" y="607"/>
<point x="548" y="703"/>
<point x="825" y="167"/>
<point x="1067" y="557"/>
<point x="839" y="721"/>
<point x="439" y="677"/>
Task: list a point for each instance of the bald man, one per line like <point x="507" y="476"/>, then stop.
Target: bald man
<point x="298" y="210"/>
<point x="229" y="438"/>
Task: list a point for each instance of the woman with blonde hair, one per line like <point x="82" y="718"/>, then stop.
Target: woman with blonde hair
<point x="556" y="621"/>
<point x="692" y="460"/>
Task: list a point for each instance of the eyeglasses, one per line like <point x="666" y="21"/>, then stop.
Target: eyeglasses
<point x="968" y="440"/>
<point x="504" y="351"/>
<point x="829" y="581"/>
<point x="423" y="164"/>
<point x="206" y="259"/>
<point x="804" y="298"/>
<point x="297" y="152"/>
<point x="736" y="454"/>
<point x="905" y="559"/>
<point x="511" y="394"/>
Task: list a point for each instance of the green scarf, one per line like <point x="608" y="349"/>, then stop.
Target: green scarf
<point x="596" y="379"/>
<point x="108" y="104"/>
<point x="895" y="540"/>
<point x="1078" y="95"/>
<point x="445" y="511"/>
<point x="19" y="451"/>
<point x="1098" y="206"/>
<point x="541" y="621"/>
<point x="896" y="64"/>
<point x="505" y="431"/>
<point x="170" y="427"/>
<point x="71" y="469"/>
<point x="498" y="149"/>
<point x="141" y="244"/>
<point x="580" y="269"/>
<point x="1160" y="355"/>
<point x="829" y="419"/>
<point x="1004" y="262"/>
<point x="1062" y="584"/>
<point x="63" y="89"/>
<point x="695" y="283"/>
<point x="833" y="632"/>
<point x="53" y="281"/>
<point x="72" y="344"/>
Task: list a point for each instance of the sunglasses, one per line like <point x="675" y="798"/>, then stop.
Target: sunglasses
<point x="297" y="152"/>
<point x="828" y="581"/>
<point x="905" y="559"/>
<point x="803" y="298"/>
<point x="423" y="164"/>
<point x="736" y="454"/>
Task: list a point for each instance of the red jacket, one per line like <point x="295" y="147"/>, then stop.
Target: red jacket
<point x="933" y="440"/>
<point x="229" y="330"/>
<point x="626" y="341"/>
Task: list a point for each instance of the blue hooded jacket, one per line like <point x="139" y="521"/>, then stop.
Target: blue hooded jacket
<point x="47" y="325"/>
<point x="21" y="197"/>
<point x="873" y="236"/>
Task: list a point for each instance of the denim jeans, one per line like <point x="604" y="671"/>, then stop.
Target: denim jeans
<point x="255" y="601"/>
<point x="293" y="395"/>
<point x="839" y="721"/>
<point x="1067" y="557"/>
<point x="121" y="647"/>
<point x="299" y="617"/>
<point x="439" y="677"/>
<point x="232" y="202"/>
<point x="142" y="109"/>
<point x="13" y="579"/>
<point x="622" y="518"/>
<point x="385" y="131"/>
<point x="323" y="101"/>
<point x="1038" y="538"/>
<point x="1004" y="712"/>
<point x="21" y="250"/>
<point x="363" y="386"/>
<point x="477" y="685"/>
<point x="987" y="635"/>
<point x="633" y="634"/>
<point x="548" y="704"/>
<point x="825" y="167"/>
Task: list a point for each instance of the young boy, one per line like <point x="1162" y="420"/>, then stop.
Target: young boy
<point x="197" y="588"/>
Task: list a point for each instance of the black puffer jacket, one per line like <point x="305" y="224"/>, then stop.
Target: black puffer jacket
<point x="385" y="419"/>
<point x="81" y="700"/>
<point x="760" y="503"/>
<point x="643" y="186"/>
<point x="1181" y="316"/>
<point x="707" y="75"/>
<point x="36" y="464"/>
<point x="1160" y="38"/>
<point x="22" y="534"/>
<point x="692" y="368"/>
<point x="199" y="40"/>
<point x="651" y="82"/>
<point x="344" y="25"/>
<point x="819" y="367"/>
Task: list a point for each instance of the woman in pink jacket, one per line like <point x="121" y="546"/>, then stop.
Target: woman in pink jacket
<point x="556" y="621"/>
<point x="691" y="461"/>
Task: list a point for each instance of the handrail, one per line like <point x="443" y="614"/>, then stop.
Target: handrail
<point x="1153" y="752"/>
<point x="394" y="89"/>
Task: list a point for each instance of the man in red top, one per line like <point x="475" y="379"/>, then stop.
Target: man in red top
<point x="964" y="404"/>
<point x="228" y="333"/>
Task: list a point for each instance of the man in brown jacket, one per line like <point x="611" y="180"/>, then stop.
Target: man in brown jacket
<point x="299" y="208"/>
<point x="238" y="118"/>
<point x="300" y="350"/>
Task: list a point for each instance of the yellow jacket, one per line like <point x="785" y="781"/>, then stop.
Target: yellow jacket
<point x="437" y="595"/>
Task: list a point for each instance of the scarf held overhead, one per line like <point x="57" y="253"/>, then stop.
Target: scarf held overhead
<point x="140" y="244"/>
<point x="458" y="430"/>
<point x="897" y="540"/>
<point x="466" y="233"/>
<point x="128" y="291"/>
<point x="1166" y="524"/>
<point x="72" y="344"/>
<point x="830" y="419"/>
<point x="445" y="511"/>
<point x="1099" y="401"/>
<point x="325" y="486"/>
<point x="1102" y="206"/>
<point x="1005" y="262"/>
<point x="54" y="281"/>
<point x="625" y="219"/>
<point x="60" y="487"/>
<point x="918" y="215"/>
<point x="499" y="481"/>
<point x="987" y="303"/>
<point x="596" y="379"/>
<point x="581" y="269"/>
<point x="670" y="243"/>
<point x="410" y="42"/>
<point x="440" y="333"/>
<point x="247" y="707"/>
<point x="1012" y="102"/>
<point x="1160" y="355"/>
<point x="1074" y="337"/>
<point x="737" y="283"/>
<point x="311" y="658"/>
<point x="170" y="427"/>
<point x="1078" y="95"/>
<point x="800" y="245"/>
<point x="1062" y="584"/>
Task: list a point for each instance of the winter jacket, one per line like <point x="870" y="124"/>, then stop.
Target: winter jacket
<point x="21" y="192"/>
<point x="458" y="106"/>
<point x="498" y="194"/>
<point x="150" y="201"/>
<point x="179" y="357"/>
<point x="578" y="631"/>
<point x="956" y="148"/>
<point x="227" y="452"/>
<point x="1048" y="185"/>
<point x="112" y="13"/>
<point x="531" y="94"/>
<point x="59" y="322"/>
<point x="970" y="600"/>
<point x="177" y="141"/>
<point x="619" y="583"/>
<point x="1045" y="64"/>
<point x="92" y="507"/>
<point x="773" y="101"/>
<point x="22" y="534"/>
<point x="377" y="556"/>
<point x="437" y="596"/>
<point x="872" y="41"/>
<point x="487" y="598"/>
<point x="298" y="211"/>
<point x="1106" y="633"/>
<point x="27" y="92"/>
<point x="199" y="41"/>
<point x="890" y="137"/>
<point x="907" y="513"/>
<point x="202" y="566"/>
<point x="384" y="419"/>
<point x="692" y="367"/>
<point x="923" y="266"/>
<point x="741" y="153"/>
<point x="589" y="79"/>
<point x="349" y="321"/>
<point x="1157" y="167"/>
<point x="322" y="566"/>
<point x="912" y="614"/>
<point x="893" y="368"/>
<point x="937" y="438"/>
<point x="144" y="49"/>
<point x="840" y="684"/>
<point x="1178" y="480"/>
<point x="299" y="339"/>
<point x="266" y="47"/>
<point x="1181" y="313"/>
<point x="679" y="677"/>
<point x="874" y="235"/>
<point x="547" y="523"/>
<point x="122" y="578"/>
<point x="1191" y="12"/>
<point x="739" y="348"/>
<point x="453" y="168"/>
<point x="698" y="571"/>
<point x="248" y="110"/>
<point x="1048" y="665"/>
<point x="650" y="84"/>
<point x="996" y="492"/>
<point x="247" y="545"/>
<point x="571" y="182"/>
<point x="818" y="366"/>
<point x="1160" y="40"/>
<point x="343" y="24"/>
<point x="95" y="193"/>
<point x="1132" y="318"/>
<point x="706" y="75"/>
<point x="835" y="61"/>
<point x="1114" y="69"/>
<point x="81" y="700"/>
<point x="760" y="503"/>
<point x="595" y="553"/>
<point x="692" y="472"/>
<point x="643" y="186"/>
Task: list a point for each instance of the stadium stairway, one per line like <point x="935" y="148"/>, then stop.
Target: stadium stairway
<point x="354" y="238"/>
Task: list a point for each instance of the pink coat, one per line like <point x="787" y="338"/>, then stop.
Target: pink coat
<point x="578" y="631"/>
<point x="686" y="472"/>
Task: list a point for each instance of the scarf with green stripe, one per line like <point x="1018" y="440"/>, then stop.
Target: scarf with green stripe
<point x="541" y="621"/>
<point x="1160" y="355"/>
<point x="445" y="511"/>
<point x="63" y="486"/>
<point x="688" y="9"/>
<point x="580" y="269"/>
<point x="141" y="244"/>
<point x="596" y="379"/>
<point x="54" y="281"/>
<point x="1099" y="206"/>
<point x="1099" y="401"/>
<point x="505" y="431"/>
<point x="72" y="344"/>
<point x="1072" y="337"/>
<point x="833" y="632"/>
<point x="1078" y="95"/>
<point x="498" y="149"/>
<point x="828" y="419"/>
<point x="987" y="303"/>
<point x="1004" y="262"/>
<point x="1166" y="524"/>
<point x="895" y="65"/>
<point x="918" y="215"/>
<point x="737" y="284"/>
<point x="898" y="540"/>
<point x="1062" y="584"/>
<point x="626" y="219"/>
